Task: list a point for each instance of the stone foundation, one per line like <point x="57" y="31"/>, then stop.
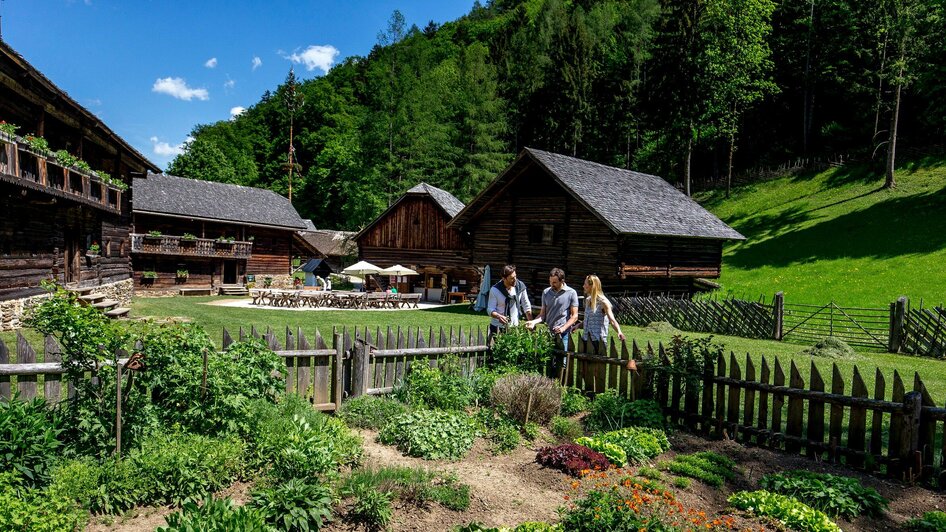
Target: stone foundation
<point x="13" y="312"/>
<point x="281" y="282"/>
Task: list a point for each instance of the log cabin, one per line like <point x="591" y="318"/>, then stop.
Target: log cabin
<point x="635" y="231"/>
<point x="413" y="232"/>
<point x="200" y="236"/>
<point x="65" y="206"/>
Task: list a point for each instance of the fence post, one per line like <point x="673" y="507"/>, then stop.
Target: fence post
<point x="339" y="369"/>
<point x="778" y="311"/>
<point x="898" y="314"/>
<point x="910" y="434"/>
<point x="359" y="370"/>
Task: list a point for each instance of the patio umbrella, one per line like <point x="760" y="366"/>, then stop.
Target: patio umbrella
<point x="483" y="297"/>
<point x="397" y="269"/>
<point x="361" y="269"/>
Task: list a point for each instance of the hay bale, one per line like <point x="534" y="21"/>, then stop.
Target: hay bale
<point x="662" y="327"/>
<point x="831" y="347"/>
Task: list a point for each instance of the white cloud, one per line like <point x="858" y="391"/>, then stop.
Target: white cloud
<point x="236" y="111"/>
<point x="166" y="150"/>
<point x="178" y="88"/>
<point x="211" y="63"/>
<point x="257" y="62"/>
<point x="316" y="56"/>
<point x="229" y="84"/>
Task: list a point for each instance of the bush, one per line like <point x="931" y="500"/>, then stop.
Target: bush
<point x="530" y="430"/>
<point x="512" y="393"/>
<point x="79" y="479"/>
<point x="373" y="508"/>
<point x="411" y="484"/>
<point x="930" y="522"/>
<point x="296" y="504"/>
<point x="370" y="412"/>
<point x="572" y="459"/>
<point x="483" y="380"/>
<point x="29" y="439"/>
<point x="430" y="434"/>
<point x="614" y="453"/>
<point x="640" y="444"/>
<point x="681" y="482"/>
<point x="295" y="441"/>
<point x="442" y="388"/>
<point x="23" y="508"/>
<point x="708" y="467"/>
<point x="610" y="411"/>
<point x="530" y="351"/>
<point x="213" y="515"/>
<point x="789" y="512"/>
<point x="566" y="429"/>
<point x="573" y="401"/>
<point x="505" y="439"/>
<point x="833" y="495"/>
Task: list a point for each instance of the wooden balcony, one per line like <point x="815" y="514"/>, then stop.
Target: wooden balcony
<point x="23" y="167"/>
<point x="195" y="247"/>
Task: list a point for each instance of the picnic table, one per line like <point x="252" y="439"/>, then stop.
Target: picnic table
<point x="345" y="300"/>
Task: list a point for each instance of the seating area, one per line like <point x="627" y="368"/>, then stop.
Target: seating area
<point x="334" y="299"/>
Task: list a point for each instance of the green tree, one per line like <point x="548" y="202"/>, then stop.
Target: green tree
<point x="203" y="160"/>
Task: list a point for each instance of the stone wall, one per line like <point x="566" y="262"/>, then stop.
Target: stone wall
<point x="281" y="282"/>
<point x="12" y="312"/>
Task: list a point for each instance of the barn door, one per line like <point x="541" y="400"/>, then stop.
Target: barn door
<point x="73" y="255"/>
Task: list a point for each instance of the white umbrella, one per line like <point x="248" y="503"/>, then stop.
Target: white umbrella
<point x="361" y="268"/>
<point x="397" y="269"/>
<point x="483" y="297"/>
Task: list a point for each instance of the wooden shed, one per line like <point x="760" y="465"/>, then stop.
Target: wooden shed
<point x="59" y="221"/>
<point x="413" y="232"/>
<point x="201" y="234"/>
<point x="635" y="231"/>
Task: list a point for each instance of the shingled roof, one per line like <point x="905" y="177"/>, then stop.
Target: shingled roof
<point x="206" y="200"/>
<point x="331" y="243"/>
<point x="628" y="202"/>
<point x="443" y="199"/>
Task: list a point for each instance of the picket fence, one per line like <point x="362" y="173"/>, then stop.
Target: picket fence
<point x="889" y="431"/>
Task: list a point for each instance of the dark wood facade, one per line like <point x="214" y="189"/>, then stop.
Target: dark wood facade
<point x="52" y="214"/>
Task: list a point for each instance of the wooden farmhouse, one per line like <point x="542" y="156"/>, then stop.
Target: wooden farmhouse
<point x="635" y="231"/>
<point x="203" y="236"/>
<point x="413" y="232"/>
<point x="337" y="247"/>
<point x="66" y="216"/>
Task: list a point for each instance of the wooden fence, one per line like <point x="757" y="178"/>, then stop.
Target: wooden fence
<point x="734" y="317"/>
<point x="858" y="326"/>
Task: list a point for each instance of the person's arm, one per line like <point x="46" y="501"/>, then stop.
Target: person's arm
<point x="527" y="305"/>
<point x="572" y="318"/>
<point x="541" y="317"/>
<point x="614" y="323"/>
<point x="492" y="307"/>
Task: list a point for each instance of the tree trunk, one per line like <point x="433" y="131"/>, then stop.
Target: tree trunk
<point x="891" y="181"/>
<point x="686" y="165"/>
<point x="732" y="148"/>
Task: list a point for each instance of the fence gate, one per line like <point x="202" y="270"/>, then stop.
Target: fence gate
<point x="858" y="326"/>
<point x="925" y="331"/>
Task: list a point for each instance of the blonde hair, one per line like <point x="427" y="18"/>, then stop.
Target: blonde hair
<point x="595" y="294"/>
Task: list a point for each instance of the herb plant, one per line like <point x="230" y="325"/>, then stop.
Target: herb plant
<point x="215" y="514"/>
<point x="430" y="434"/>
<point x="790" y="512"/>
<point x="834" y="495"/>
<point x="294" y="505"/>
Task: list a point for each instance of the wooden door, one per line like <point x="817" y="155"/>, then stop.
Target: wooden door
<point x="72" y="256"/>
<point x="229" y="272"/>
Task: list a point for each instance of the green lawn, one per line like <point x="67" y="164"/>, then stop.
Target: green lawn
<point x="838" y="235"/>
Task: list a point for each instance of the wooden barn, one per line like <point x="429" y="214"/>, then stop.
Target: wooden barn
<point x="635" y="231"/>
<point x="413" y="232"/>
<point x="336" y="247"/>
<point x="65" y="206"/>
<point x="200" y="235"/>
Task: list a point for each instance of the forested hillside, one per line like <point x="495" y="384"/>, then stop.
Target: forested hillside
<point x="686" y="89"/>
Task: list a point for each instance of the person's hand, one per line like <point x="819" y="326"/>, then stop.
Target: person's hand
<point x="502" y="319"/>
<point x="621" y="336"/>
<point x="557" y="329"/>
<point x="530" y="324"/>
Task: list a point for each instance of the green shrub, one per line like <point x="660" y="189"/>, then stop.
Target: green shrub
<point x="790" y="512"/>
<point x="79" y="479"/>
<point x="430" y="434"/>
<point x="530" y="351"/>
<point x="294" y="505"/>
<point x="443" y="387"/>
<point x="410" y="484"/>
<point x="530" y="430"/>
<point x="640" y="444"/>
<point x="484" y="378"/>
<point x="614" y="453"/>
<point x="574" y="401"/>
<point x="499" y="428"/>
<point x="610" y="411"/>
<point x="930" y="522"/>
<point x="681" y="482"/>
<point x="833" y="495"/>
<point x="650" y="472"/>
<point x="370" y="412"/>
<point x="505" y="439"/>
<point x="373" y="508"/>
<point x="528" y="526"/>
<point x="29" y="439"/>
<point x="708" y="467"/>
<point x="513" y="393"/>
<point x="566" y="429"/>
<point x="295" y="441"/>
<point x="23" y="508"/>
<point x="215" y="515"/>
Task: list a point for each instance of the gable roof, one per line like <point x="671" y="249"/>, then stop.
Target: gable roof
<point x="443" y="199"/>
<point x="169" y="195"/>
<point x="628" y="202"/>
<point x="331" y="243"/>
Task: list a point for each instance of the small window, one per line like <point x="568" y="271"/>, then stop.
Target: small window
<point x="542" y="234"/>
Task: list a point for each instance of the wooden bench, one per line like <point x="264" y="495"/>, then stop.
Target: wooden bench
<point x="206" y="291"/>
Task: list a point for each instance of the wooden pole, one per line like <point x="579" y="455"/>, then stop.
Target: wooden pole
<point x="339" y="370"/>
<point x="528" y="409"/>
<point x="118" y="411"/>
<point x="203" y="380"/>
<point x="778" y="309"/>
<point x="898" y="313"/>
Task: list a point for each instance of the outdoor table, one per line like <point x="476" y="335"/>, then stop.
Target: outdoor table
<point x="458" y="295"/>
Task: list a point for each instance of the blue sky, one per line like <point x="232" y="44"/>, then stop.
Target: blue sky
<point x="152" y="70"/>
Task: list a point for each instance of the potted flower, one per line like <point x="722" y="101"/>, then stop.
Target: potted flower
<point x="182" y="274"/>
<point x="189" y="237"/>
<point x="149" y="276"/>
<point x="226" y="240"/>
<point x="37" y="145"/>
<point x="66" y="159"/>
<point x="153" y="235"/>
<point x="94" y="250"/>
<point x="8" y="131"/>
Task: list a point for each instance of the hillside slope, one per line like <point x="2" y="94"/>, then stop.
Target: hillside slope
<point x="838" y="235"/>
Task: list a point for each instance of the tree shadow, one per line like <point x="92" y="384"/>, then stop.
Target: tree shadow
<point x="887" y="229"/>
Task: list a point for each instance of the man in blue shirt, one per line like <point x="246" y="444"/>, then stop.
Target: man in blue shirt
<point x="508" y="300"/>
<point x="559" y="307"/>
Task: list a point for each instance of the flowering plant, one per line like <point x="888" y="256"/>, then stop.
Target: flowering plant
<point x="8" y="128"/>
<point x="37" y="144"/>
<point x="94" y="248"/>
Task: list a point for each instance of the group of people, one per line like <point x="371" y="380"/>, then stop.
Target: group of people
<point x="509" y="302"/>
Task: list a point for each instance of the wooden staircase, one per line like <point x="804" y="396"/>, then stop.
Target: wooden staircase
<point x="88" y="298"/>
<point x="233" y="290"/>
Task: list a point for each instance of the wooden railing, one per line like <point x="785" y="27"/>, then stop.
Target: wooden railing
<point x="22" y="167"/>
<point x="194" y="247"/>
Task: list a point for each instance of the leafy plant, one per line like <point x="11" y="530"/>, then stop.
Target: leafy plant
<point x="688" y="357"/>
<point x="149" y="274"/>
<point x="94" y="248"/>
<point x="614" y="453"/>
<point x="410" y="484"/>
<point x="370" y="412"/>
<point x="929" y="522"/>
<point x="505" y="439"/>
<point x="834" y="495"/>
<point x="790" y="512"/>
<point x="78" y="479"/>
<point x="29" y="439"/>
<point x="23" y="508"/>
<point x="188" y="236"/>
<point x="154" y="233"/>
<point x="530" y="430"/>
<point x="430" y="434"/>
<point x="605" y="510"/>
<point x="539" y="396"/>
<point x="573" y="401"/>
<point x="681" y="482"/>
<point x="215" y="514"/>
<point x="37" y="144"/>
<point x="528" y="350"/>
<point x="566" y="429"/>
<point x="8" y="128"/>
<point x="83" y="166"/>
<point x="483" y="380"/>
<point x="640" y="444"/>
<point x="182" y="274"/>
<point x="66" y="159"/>
<point x="708" y="467"/>
<point x="373" y="508"/>
<point x="572" y="459"/>
<point x="225" y="239"/>
<point x="610" y="411"/>
<point x="294" y="505"/>
<point x="443" y="387"/>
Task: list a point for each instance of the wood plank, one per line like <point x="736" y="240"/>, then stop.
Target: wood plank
<point x="877" y="419"/>
<point x="26" y="384"/>
<point x="778" y="400"/>
<point x="837" y="414"/>
<point x="762" y="422"/>
<point x="720" y="395"/>
<point x="732" y="407"/>
<point x="896" y="425"/>
<point x="856" y="435"/>
<point x="4" y="379"/>
<point x="927" y="428"/>
<point x="52" y="384"/>
<point x="815" y="431"/>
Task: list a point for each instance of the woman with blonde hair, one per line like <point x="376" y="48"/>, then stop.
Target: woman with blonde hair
<point x="598" y="314"/>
